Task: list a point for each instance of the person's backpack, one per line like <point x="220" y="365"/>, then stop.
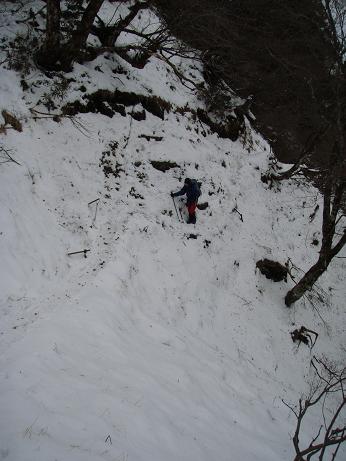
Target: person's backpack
<point x="199" y="185"/>
<point x="196" y="187"/>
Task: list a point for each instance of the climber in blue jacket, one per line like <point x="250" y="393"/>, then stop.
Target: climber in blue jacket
<point x="192" y="190"/>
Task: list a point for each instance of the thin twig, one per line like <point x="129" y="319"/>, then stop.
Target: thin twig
<point x="236" y="210"/>
<point x="9" y="158"/>
<point x="93" y="201"/>
<point x="78" y="252"/>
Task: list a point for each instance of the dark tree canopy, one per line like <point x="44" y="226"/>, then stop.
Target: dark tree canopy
<point x="279" y="52"/>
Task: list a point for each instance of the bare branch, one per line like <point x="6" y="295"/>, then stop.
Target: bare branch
<point x="57" y="117"/>
<point x="6" y="156"/>
<point x="332" y="384"/>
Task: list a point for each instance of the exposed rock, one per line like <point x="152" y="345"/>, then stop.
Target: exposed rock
<point x="163" y="165"/>
<point x="273" y="270"/>
<point x="139" y="115"/>
<point x="156" y="106"/>
<point x="232" y="128"/>
<point x="203" y="206"/>
<point x="108" y="102"/>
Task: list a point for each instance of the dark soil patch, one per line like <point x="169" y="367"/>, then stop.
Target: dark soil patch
<point x="163" y="165"/>
<point x="150" y="137"/>
<point x="108" y="163"/>
<point x="135" y="194"/>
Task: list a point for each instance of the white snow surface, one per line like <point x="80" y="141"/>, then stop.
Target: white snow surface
<point x="156" y="346"/>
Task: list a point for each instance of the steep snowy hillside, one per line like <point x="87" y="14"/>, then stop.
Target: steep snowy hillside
<point x="163" y="342"/>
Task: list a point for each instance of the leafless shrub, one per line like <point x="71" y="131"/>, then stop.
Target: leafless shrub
<point x="327" y="393"/>
<point x="57" y="117"/>
<point x="20" y="52"/>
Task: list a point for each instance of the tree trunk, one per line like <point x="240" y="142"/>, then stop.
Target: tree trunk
<point x="120" y="26"/>
<point x="81" y="34"/>
<point x="108" y="35"/>
<point x="308" y="280"/>
<point x="312" y="275"/>
<point x="50" y="52"/>
<point x="53" y="25"/>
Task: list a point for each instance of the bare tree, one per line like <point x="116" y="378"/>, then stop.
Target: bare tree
<point x="64" y="45"/>
<point x="334" y="176"/>
<point x="153" y="38"/>
<point x="57" y="54"/>
<point x="332" y="242"/>
<point x="328" y="393"/>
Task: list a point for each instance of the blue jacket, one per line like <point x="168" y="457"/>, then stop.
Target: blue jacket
<point x="191" y="190"/>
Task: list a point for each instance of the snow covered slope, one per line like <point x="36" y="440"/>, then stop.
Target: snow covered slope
<point x="157" y="345"/>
